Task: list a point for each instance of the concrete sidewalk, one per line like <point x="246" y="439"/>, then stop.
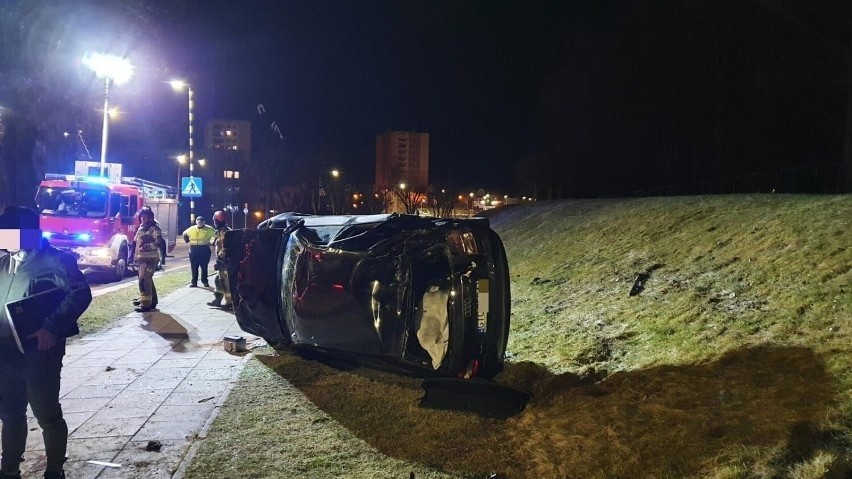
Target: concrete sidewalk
<point x="158" y="376"/>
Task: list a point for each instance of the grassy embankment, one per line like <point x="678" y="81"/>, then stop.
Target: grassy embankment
<point x="106" y="308"/>
<point x="735" y="361"/>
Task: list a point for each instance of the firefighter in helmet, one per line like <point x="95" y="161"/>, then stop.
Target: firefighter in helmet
<point x="223" y="289"/>
<point x="147" y="254"/>
<point x="138" y="221"/>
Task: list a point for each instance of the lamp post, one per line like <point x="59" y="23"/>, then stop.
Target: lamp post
<point x="228" y="209"/>
<point x="181" y="159"/>
<point x="334" y="194"/>
<point x="180" y="85"/>
<point x="112" y="69"/>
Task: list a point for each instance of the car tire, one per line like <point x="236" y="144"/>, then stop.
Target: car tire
<point x="497" y="332"/>
<point x="119" y="269"/>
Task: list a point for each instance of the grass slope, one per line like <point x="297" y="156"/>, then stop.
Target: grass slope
<point x="106" y="308"/>
<point x="734" y="361"/>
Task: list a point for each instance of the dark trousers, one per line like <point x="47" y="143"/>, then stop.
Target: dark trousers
<point x="147" y="288"/>
<point x="199" y="257"/>
<point x="32" y="378"/>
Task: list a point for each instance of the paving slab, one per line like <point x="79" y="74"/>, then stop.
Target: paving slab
<point x="158" y="378"/>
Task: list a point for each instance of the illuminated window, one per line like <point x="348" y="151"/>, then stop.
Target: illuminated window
<point x="237" y="175"/>
<point x="228" y="133"/>
<point x="228" y="174"/>
<point x="234" y="147"/>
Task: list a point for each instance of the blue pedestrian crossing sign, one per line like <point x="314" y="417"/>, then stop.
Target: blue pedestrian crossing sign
<point x="191" y="186"/>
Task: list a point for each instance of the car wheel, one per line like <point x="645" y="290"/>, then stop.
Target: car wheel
<point x="120" y="267"/>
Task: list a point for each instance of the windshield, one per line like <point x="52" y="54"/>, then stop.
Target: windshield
<point x="82" y="202"/>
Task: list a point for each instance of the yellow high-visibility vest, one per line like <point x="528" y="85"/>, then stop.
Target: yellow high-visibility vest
<point x="200" y="236"/>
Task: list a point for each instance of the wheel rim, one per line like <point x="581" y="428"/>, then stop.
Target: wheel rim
<point x="120" y="268"/>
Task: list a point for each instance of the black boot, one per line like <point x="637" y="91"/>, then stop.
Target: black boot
<point x="217" y="300"/>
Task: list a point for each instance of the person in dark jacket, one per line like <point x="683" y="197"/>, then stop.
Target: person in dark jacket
<point x="34" y="377"/>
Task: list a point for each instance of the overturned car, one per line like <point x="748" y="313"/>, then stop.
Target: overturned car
<point x="429" y="295"/>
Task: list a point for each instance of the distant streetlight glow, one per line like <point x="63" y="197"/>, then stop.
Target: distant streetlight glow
<point x="110" y="68"/>
<point x="335" y="173"/>
<point x="402" y="186"/>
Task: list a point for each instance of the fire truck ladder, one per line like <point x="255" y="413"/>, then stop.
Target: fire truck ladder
<point x="151" y="189"/>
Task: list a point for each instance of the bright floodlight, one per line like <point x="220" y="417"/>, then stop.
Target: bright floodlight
<point x="109" y="66"/>
<point x="178" y="84"/>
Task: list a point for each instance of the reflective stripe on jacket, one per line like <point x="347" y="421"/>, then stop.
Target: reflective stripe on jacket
<point x="148" y="238"/>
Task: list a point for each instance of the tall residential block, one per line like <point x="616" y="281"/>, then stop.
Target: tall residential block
<point x="402" y="157"/>
<point x="227" y="148"/>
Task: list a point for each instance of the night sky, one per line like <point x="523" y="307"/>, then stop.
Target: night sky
<point x="560" y="99"/>
<point x="336" y="74"/>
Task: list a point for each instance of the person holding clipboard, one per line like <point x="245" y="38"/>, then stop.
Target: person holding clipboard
<point x="42" y="295"/>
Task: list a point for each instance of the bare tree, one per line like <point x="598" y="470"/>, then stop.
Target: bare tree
<point x="409" y="200"/>
<point x="379" y="201"/>
<point x="338" y="193"/>
<point x="441" y="202"/>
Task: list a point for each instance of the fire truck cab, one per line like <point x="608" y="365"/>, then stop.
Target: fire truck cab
<point x="94" y="217"/>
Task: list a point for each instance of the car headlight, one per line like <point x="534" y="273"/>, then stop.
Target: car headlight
<point x="102" y="252"/>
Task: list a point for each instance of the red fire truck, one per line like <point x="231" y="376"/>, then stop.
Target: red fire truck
<point x="94" y="217"/>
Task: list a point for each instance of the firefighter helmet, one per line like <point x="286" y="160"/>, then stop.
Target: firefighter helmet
<point x="146" y="211"/>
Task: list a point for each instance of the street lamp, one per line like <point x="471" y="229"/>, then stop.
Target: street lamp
<point x="181" y="85"/>
<point x="110" y="68"/>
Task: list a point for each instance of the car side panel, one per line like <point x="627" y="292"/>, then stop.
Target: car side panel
<point x="346" y="301"/>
